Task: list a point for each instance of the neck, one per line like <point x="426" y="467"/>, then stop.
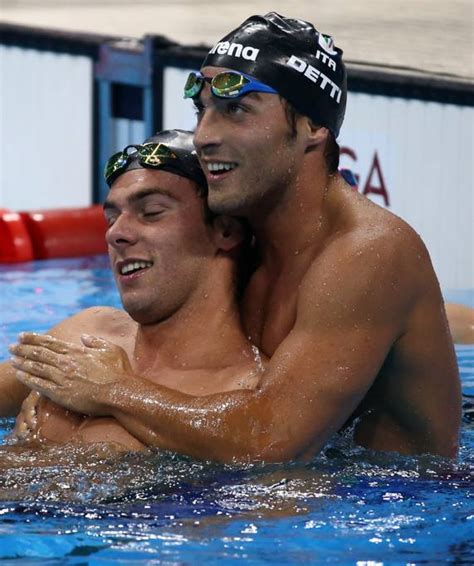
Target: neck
<point x="205" y="332"/>
<point x="300" y="219"/>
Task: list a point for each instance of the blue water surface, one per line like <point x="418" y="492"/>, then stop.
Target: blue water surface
<point x="347" y="506"/>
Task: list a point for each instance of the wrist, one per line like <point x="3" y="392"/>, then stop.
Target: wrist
<point x="119" y="398"/>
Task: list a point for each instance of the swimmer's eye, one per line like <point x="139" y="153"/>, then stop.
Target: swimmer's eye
<point x="235" y="108"/>
<point x="110" y="219"/>
<point x="152" y="213"/>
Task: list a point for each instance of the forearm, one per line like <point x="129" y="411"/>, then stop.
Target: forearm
<point x="283" y="418"/>
<point x="217" y="427"/>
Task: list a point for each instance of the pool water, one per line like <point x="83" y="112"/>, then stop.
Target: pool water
<point x="347" y="506"/>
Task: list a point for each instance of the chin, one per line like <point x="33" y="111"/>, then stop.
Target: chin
<point x="222" y="203"/>
<point x="141" y="317"/>
<point x="135" y="311"/>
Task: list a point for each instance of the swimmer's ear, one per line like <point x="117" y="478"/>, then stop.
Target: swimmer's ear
<point x="317" y="136"/>
<point x="229" y="232"/>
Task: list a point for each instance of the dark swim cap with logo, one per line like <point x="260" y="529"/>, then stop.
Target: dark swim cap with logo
<point x="290" y="55"/>
<point x="180" y="142"/>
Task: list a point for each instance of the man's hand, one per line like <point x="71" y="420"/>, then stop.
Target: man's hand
<point x="71" y="375"/>
<point x="26" y="420"/>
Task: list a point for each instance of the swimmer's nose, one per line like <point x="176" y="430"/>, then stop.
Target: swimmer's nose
<point x="207" y="133"/>
<point x="122" y="233"/>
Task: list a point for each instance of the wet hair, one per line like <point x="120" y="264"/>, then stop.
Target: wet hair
<point x="332" y="153"/>
<point x="331" y="150"/>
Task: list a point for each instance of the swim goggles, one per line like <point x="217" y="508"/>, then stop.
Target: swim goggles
<point x="149" y="155"/>
<point x="228" y="84"/>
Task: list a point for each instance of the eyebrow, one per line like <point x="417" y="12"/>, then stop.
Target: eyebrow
<point x="200" y="105"/>
<point x="139" y="196"/>
<point x="254" y="94"/>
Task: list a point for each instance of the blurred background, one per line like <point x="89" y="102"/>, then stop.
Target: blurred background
<point x="429" y="35"/>
<point x="80" y="80"/>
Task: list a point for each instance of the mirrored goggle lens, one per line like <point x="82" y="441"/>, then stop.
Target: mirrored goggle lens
<point x="193" y="85"/>
<point x="150" y="154"/>
<point x="153" y="154"/>
<point x="228" y="84"/>
<point x="114" y="164"/>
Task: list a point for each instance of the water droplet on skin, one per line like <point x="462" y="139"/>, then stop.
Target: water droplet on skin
<point x="257" y="358"/>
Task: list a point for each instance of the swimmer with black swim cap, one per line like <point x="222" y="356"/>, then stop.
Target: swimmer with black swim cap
<point x="177" y="269"/>
<point x="344" y="300"/>
<point x="291" y="56"/>
<point x="169" y="150"/>
<point x="345" y="289"/>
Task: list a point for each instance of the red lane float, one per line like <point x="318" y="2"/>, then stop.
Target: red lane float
<point x="67" y="232"/>
<point x="15" y="242"/>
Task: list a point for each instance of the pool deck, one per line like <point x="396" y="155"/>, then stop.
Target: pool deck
<point x="431" y="36"/>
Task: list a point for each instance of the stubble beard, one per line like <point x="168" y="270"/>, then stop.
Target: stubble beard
<point x="265" y="188"/>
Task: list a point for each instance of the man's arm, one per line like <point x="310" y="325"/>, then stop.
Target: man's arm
<point x="12" y="391"/>
<point x="351" y="311"/>
<point x="275" y="422"/>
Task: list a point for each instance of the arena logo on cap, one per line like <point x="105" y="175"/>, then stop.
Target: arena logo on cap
<point x="235" y="50"/>
<point x="314" y="76"/>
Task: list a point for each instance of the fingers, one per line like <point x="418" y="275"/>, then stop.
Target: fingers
<point x="29" y="410"/>
<point x="95" y="342"/>
<point x="36" y="353"/>
<point x="37" y="370"/>
<point x="36" y="383"/>
<point x="26" y="420"/>
<point x="47" y="341"/>
<point x="33" y="399"/>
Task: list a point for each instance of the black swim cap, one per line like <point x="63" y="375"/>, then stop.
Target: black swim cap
<point x="179" y="142"/>
<point x="291" y="56"/>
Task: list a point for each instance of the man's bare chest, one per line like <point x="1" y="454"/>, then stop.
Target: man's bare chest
<point x="269" y="312"/>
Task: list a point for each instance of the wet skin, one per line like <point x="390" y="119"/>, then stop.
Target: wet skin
<point x="361" y="274"/>
<point x="345" y="303"/>
<point x="157" y="219"/>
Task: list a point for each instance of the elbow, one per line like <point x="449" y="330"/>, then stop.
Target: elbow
<point x="255" y="433"/>
<point x="261" y="441"/>
<point x="248" y="430"/>
<point x="275" y="448"/>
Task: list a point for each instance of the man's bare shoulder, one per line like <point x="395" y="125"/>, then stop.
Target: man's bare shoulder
<point x="380" y="237"/>
<point x="373" y="261"/>
<point x="362" y="228"/>
<point x="368" y="220"/>
<point x="106" y="322"/>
